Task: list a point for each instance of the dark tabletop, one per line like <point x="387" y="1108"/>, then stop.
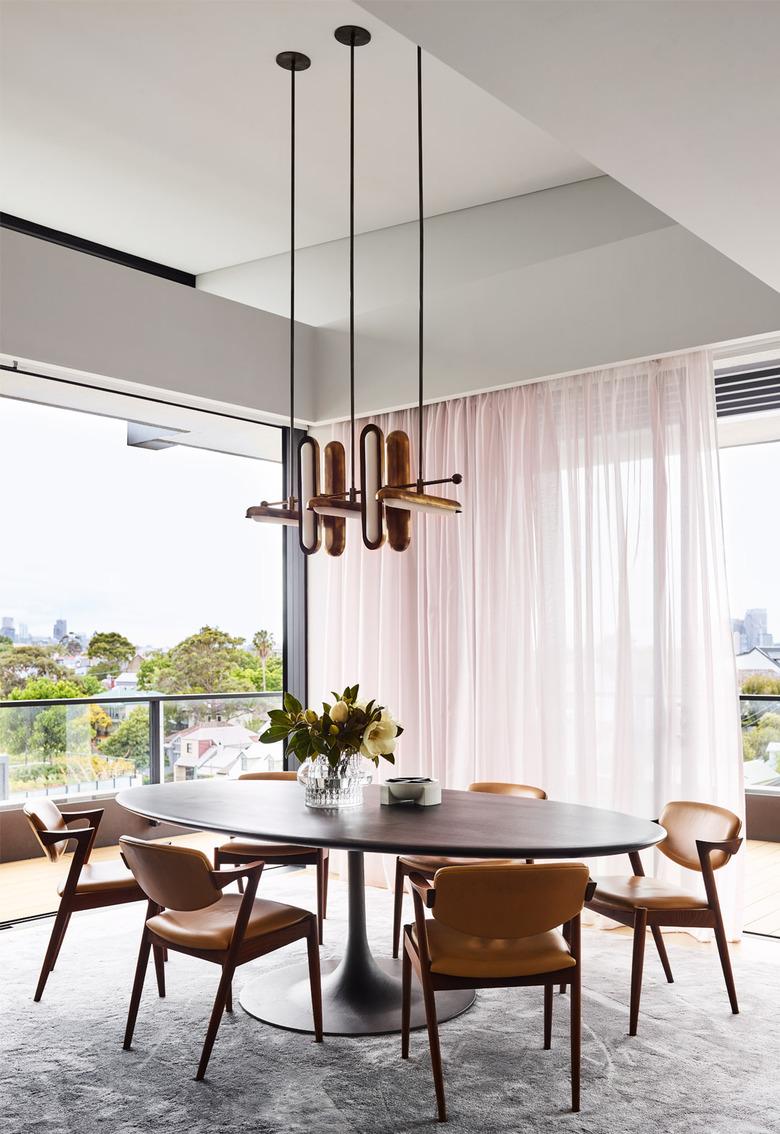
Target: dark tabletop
<point x="468" y="824"/>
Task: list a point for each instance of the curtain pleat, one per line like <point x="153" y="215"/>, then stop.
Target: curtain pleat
<point x="570" y="629"/>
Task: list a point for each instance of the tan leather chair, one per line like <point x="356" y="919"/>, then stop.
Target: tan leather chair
<point x="495" y="927"/>
<point x="701" y="837"/>
<point x="86" y="886"/>
<point x="188" y="913"/>
<point x="427" y="865"/>
<point x="239" y="850"/>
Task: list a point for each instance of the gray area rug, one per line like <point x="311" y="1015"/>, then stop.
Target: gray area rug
<point x="693" y="1068"/>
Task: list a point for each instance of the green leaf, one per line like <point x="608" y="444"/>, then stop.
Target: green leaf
<point x="398" y="730"/>
<point x="390" y="758"/>
<point x="278" y="716"/>
<point x="292" y="704"/>
<point x="274" y="735"/>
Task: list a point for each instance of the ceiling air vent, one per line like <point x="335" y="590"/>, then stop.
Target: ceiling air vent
<point x="747" y="391"/>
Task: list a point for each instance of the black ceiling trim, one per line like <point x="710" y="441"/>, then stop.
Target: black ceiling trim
<point x="90" y="248"/>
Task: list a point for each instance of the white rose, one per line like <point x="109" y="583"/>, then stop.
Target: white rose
<point x="379" y="737"/>
<point x="339" y="712"/>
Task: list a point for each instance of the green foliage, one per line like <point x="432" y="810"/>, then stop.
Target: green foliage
<point x="130" y="739"/>
<point x="210" y="661"/>
<point x="339" y="730"/>
<point x="5" y="641"/>
<point x="760" y="683"/>
<point x="263" y="643"/>
<point x="21" y="663"/>
<point x="69" y="645"/>
<point x="110" y="651"/>
<point x="758" y="732"/>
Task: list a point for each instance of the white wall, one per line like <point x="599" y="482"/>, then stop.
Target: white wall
<point x="66" y="309"/>
<point x="578" y="276"/>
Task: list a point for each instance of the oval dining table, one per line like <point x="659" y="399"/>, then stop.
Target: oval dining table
<point x="361" y="992"/>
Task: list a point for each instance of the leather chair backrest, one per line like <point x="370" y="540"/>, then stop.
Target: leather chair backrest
<point x="43" y="815"/>
<point x="509" y="789"/>
<point x="516" y="900"/>
<point x="178" y="878"/>
<point x="686" y="821"/>
<point x="269" y="776"/>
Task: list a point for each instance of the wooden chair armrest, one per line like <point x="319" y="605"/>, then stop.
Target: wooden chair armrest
<point x="590" y="890"/>
<point x="223" y="878"/>
<point x="93" y="817"/>
<point x="424" y="888"/>
<point x="728" y="846"/>
<point x="81" y="835"/>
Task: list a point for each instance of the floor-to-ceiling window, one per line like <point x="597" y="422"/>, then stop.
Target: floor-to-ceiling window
<point x="135" y="598"/>
<point x="750" y="480"/>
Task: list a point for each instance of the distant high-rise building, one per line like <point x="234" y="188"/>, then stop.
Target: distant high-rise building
<point x="24" y="632"/>
<point x="751" y="631"/>
<point x="60" y="629"/>
<point x="7" y="629"/>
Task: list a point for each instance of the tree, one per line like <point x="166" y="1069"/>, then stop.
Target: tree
<point x="110" y="652"/>
<point x="69" y="645"/>
<point x="24" y="662"/>
<point x="202" y="663"/>
<point x="263" y="643"/>
<point x="761" y="683"/>
<point x="130" y="739"/>
<point x="5" y="642"/>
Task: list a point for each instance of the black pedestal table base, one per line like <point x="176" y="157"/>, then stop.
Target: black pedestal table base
<point x="361" y="994"/>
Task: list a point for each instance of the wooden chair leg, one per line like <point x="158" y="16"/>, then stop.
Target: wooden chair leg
<point x="398" y="901"/>
<point x="53" y="948"/>
<point x="433" y="1041"/>
<point x="159" y="969"/>
<point x="637" y="965"/>
<point x="320" y="898"/>
<point x="576" y="1038"/>
<point x="566" y="932"/>
<point x="229" y="998"/>
<point x="406" y="1002"/>
<point x="325" y="873"/>
<point x="725" y="962"/>
<point x="548" y="1014"/>
<point x="138" y="987"/>
<point x="62" y="938"/>
<point x="660" y="945"/>
<point x="215" y="1021"/>
<point x="312" y="945"/>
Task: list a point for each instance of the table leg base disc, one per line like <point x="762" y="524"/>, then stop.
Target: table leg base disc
<point x="282" y="998"/>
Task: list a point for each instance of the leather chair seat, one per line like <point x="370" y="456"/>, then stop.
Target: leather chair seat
<point x="98" y="877"/>
<point x="212" y="927"/>
<point x="429" y="863"/>
<point x="458" y="954"/>
<point x="263" y="850"/>
<point x="648" y="893"/>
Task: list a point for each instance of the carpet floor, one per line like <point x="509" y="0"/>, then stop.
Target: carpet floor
<point x="693" y="1069"/>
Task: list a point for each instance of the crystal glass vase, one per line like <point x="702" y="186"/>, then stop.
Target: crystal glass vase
<point x="341" y="786"/>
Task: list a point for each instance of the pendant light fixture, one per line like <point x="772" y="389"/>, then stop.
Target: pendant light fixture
<point x="288" y="511"/>
<point x="337" y="503"/>
<point x="401" y="495"/>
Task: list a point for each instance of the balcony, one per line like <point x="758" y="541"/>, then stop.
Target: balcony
<point x="98" y="745"/>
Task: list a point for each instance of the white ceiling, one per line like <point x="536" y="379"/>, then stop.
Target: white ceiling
<point x="162" y="128"/>
<point x="679" y="101"/>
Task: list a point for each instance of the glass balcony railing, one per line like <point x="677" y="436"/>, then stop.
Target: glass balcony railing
<point x="64" y="748"/>
<point x="761" y="741"/>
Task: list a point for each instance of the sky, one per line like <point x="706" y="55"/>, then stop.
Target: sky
<point x="153" y="544"/>
<point x="750" y="484"/>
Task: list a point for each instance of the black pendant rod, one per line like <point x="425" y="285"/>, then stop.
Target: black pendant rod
<point x="352" y="36"/>
<point x="352" y="494"/>
<point x="292" y="61"/>
<point x="420" y="466"/>
<point x="291" y="446"/>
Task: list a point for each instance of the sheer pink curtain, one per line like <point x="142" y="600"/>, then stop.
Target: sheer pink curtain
<point x="570" y="629"/>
